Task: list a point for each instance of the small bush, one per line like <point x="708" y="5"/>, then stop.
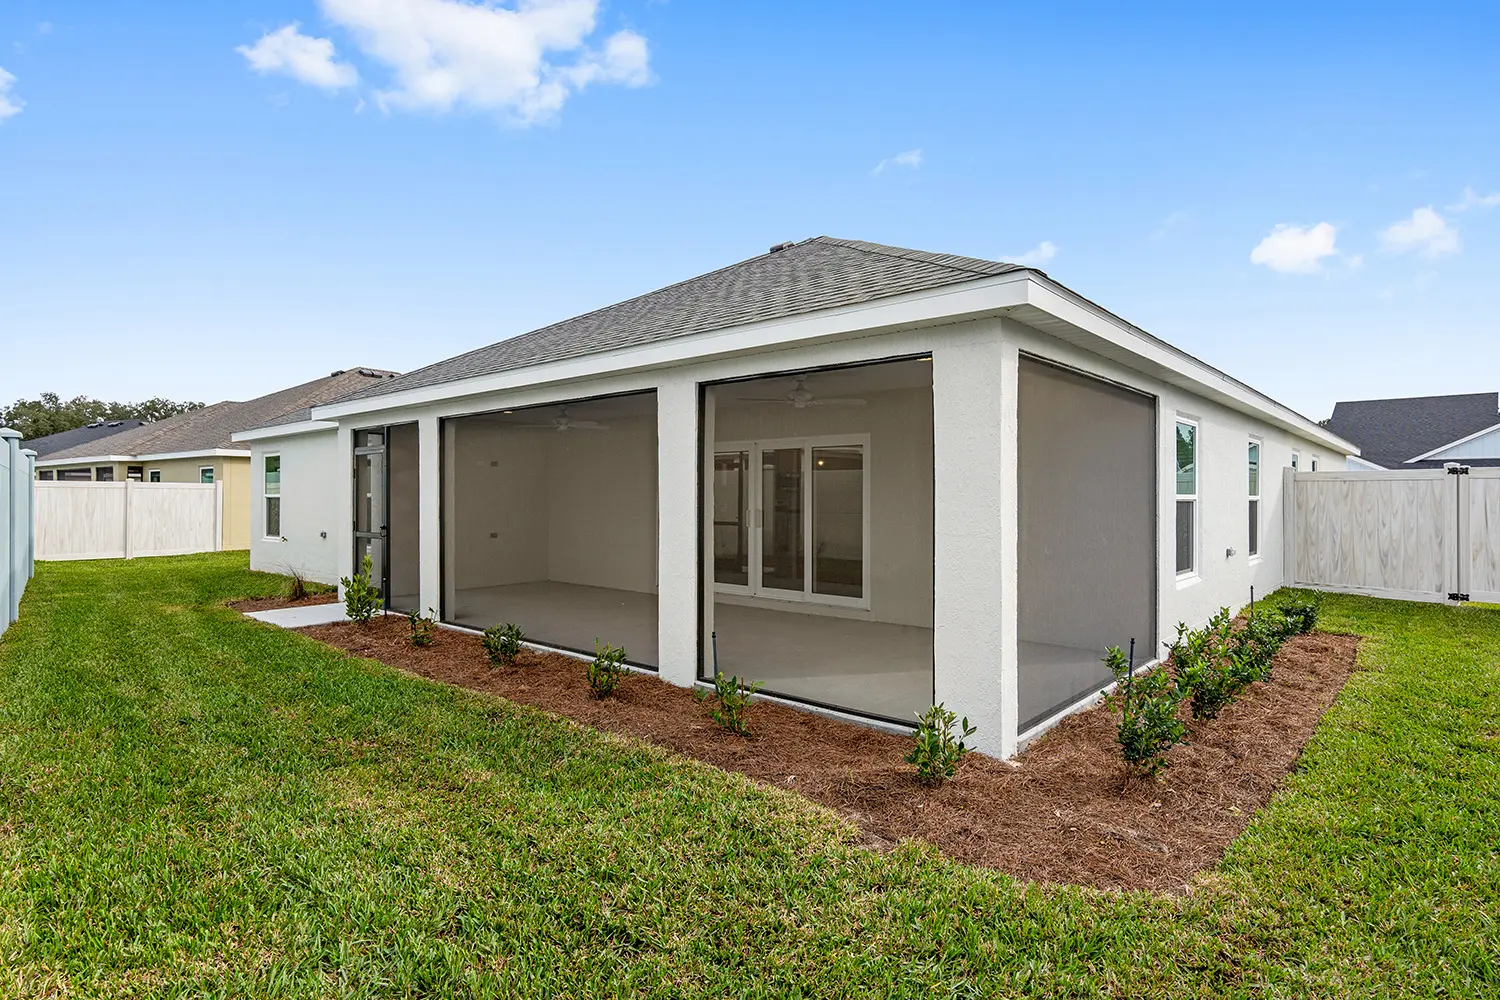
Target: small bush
<point x="503" y="643"/>
<point x="361" y="597"/>
<point x="296" y="587"/>
<point x="607" y="669"/>
<point x="1148" y="705"/>
<point x="1203" y="666"/>
<point x="734" y="701"/>
<point x="938" y="749"/>
<point x="421" y="627"/>
<point x="1301" y="615"/>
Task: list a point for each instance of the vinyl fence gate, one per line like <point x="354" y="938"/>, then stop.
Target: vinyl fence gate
<point x="1415" y="535"/>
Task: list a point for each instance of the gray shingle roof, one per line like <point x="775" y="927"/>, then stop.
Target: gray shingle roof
<point x="816" y="274"/>
<point x="1391" y="431"/>
<point x="213" y="426"/>
<point x="46" y="445"/>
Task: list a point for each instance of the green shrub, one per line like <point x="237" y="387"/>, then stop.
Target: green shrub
<point x="1203" y="666"/>
<point x="938" y="749"/>
<point x="296" y="586"/>
<point x="502" y="643"/>
<point x="734" y="701"/>
<point x="1301" y="615"/>
<point x="1148" y="705"/>
<point x="361" y="597"/>
<point x="607" y="669"/>
<point x="421" y="627"/>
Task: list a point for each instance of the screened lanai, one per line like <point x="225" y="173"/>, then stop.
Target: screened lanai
<point x="818" y="516"/>
<point x="549" y="521"/>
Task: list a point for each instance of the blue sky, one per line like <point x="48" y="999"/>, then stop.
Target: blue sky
<point x="199" y="201"/>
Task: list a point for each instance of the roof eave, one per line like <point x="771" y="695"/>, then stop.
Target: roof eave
<point x="286" y="430"/>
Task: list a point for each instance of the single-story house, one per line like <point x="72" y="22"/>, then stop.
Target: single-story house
<point x="51" y="444"/>
<point x="197" y="446"/>
<point x="872" y="478"/>
<point x="1421" y="432"/>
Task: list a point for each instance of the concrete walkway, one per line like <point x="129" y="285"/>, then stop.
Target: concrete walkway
<point x="317" y="614"/>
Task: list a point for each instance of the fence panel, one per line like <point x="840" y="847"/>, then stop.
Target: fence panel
<point x="124" y="520"/>
<point x="1479" y="510"/>
<point x="17" y="469"/>
<point x="1387" y="534"/>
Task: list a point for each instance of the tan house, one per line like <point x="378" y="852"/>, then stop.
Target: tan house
<point x="198" y="447"/>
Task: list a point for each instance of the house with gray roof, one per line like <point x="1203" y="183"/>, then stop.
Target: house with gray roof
<point x="51" y="444"/>
<point x="872" y="479"/>
<point x="1421" y="432"/>
<point x="192" y="447"/>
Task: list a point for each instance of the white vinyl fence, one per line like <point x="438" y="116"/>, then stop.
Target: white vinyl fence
<point x="129" y="519"/>
<point x="17" y="469"/>
<point x="1417" y="535"/>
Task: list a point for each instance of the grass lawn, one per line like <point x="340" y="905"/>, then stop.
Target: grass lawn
<point x="195" y="804"/>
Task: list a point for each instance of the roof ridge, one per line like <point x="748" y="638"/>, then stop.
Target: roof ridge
<point x="922" y="256"/>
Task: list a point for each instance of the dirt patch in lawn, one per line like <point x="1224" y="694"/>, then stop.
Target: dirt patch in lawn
<point x="1065" y="811"/>
<point x="273" y="603"/>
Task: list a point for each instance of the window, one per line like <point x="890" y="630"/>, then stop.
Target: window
<point x="800" y="530"/>
<point x="1296" y="460"/>
<point x="1315" y="463"/>
<point x="206" y="474"/>
<point x="133" y="473"/>
<point x="154" y="476"/>
<point x="1187" y="497"/>
<point x="1254" y="469"/>
<point x="45" y="475"/>
<point x="75" y="475"/>
<point x="272" y="494"/>
<point x="104" y="474"/>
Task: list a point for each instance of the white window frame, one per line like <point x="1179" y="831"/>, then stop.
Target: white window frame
<point x="1314" y="467"/>
<point x="1296" y="461"/>
<point x="208" y="469"/>
<point x="754" y="513"/>
<point x="153" y="475"/>
<point x="264" y="496"/>
<point x="1195" y="497"/>
<point x="1254" y="497"/>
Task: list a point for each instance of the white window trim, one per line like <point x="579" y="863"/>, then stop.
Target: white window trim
<point x="264" y="496"/>
<point x="153" y="472"/>
<point x="1189" y="575"/>
<point x="1297" y="461"/>
<point x="1314" y="466"/>
<point x="755" y="511"/>
<point x="205" y="468"/>
<point x="1260" y="472"/>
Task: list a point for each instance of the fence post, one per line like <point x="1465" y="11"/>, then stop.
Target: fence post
<point x="15" y="542"/>
<point x="1289" y="527"/>
<point x="7" y="563"/>
<point x="129" y="545"/>
<point x="218" y="516"/>
<point x="30" y="512"/>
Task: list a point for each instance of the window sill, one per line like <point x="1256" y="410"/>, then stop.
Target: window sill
<point x="1186" y="580"/>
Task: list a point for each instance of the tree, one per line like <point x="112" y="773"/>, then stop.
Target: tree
<point x="48" y="414"/>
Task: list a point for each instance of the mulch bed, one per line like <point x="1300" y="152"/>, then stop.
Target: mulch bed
<point x="273" y="603"/>
<point x="1064" y="811"/>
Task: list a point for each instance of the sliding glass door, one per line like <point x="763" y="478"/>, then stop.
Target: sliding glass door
<point x="800" y="531"/>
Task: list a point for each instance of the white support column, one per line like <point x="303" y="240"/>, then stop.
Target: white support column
<point x="677" y="531"/>
<point x="706" y="532"/>
<point x="429" y="515"/>
<point x="975" y="536"/>
<point x="30" y="457"/>
<point x="343" y="492"/>
<point x="11" y="469"/>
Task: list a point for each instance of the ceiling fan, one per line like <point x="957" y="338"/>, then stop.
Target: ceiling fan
<point x="802" y="397"/>
<point x="563" y="422"/>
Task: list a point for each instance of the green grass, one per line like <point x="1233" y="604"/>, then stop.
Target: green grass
<point x="195" y="804"/>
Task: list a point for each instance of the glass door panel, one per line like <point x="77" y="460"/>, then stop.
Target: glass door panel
<point x="782" y="555"/>
<point x="838" y="521"/>
<point x="731" y="521"/>
<point x="370" y="528"/>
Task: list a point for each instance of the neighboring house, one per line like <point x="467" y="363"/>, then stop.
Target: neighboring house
<point x="195" y="447"/>
<point x="51" y="444"/>
<point x="1421" y="432"/>
<point x="872" y="478"/>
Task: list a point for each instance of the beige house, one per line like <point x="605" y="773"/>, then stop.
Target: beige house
<point x="198" y="447"/>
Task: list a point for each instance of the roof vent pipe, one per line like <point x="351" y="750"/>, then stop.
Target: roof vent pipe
<point x="783" y="246"/>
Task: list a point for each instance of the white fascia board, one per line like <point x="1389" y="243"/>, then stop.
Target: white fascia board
<point x="1165" y="361"/>
<point x="201" y="453"/>
<point x="88" y="460"/>
<point x="285" y="430"/>
<point x="1438" y="452"/>
<point x="1364" y="465"/>
<point x="951" y="304"/>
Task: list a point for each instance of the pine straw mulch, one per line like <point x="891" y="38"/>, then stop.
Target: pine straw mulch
<point x="1065" y="811"/>
<point x="275" y="603"/>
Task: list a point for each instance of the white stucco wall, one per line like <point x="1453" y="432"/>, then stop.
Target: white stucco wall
<point x="312" y="480"/>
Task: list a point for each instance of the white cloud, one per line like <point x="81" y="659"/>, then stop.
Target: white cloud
<point x="301" y="57"/>
<point x="911" y="159"/>
<point x="1426" y="233"/>
<point x="1039" y="254"/>
<point x="448" y="54"/>
<point x="1473" y="199"/>
<point x="9" y="104"/>
<point x="1174" y="223"/>
<point x="1296" y="249"/>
